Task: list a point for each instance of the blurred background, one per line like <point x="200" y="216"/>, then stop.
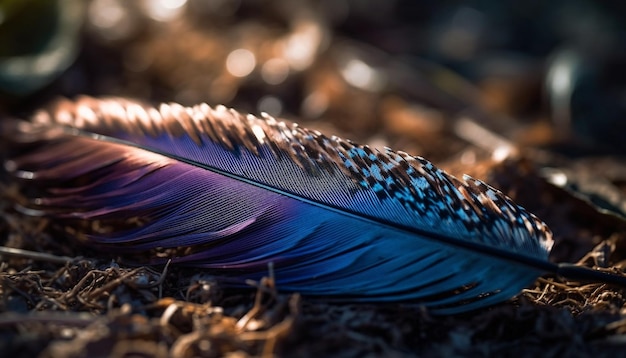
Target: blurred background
<point x="400" y="73"/>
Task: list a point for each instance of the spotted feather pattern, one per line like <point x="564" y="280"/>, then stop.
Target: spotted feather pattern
<point x="336" y="218"/>
<point x="308" y="164"/>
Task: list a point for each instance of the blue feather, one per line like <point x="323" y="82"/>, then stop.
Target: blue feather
<point x="232" y="193"/>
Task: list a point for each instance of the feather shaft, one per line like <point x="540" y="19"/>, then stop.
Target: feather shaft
<point x="233" y="193"/>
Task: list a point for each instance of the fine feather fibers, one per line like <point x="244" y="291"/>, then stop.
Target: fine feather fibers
<point x="238" y="192"/>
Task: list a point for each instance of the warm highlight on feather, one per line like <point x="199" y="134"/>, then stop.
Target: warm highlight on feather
<point x="335" y="218"/>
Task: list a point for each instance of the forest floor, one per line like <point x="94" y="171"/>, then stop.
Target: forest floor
<point x="74" y="302"/>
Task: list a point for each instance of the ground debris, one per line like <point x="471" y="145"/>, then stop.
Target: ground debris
<point x="73" y="302"/>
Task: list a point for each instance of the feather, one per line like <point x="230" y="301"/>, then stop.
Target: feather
<point x="215" y="189"/>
